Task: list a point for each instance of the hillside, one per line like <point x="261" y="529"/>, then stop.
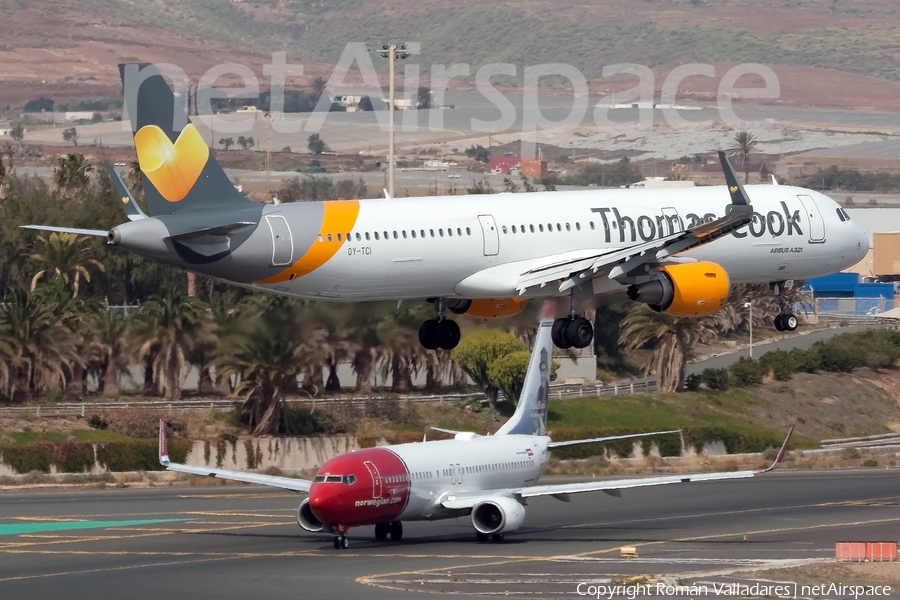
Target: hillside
<point x="79" y="43"/>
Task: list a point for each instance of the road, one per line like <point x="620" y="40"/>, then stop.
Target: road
<point x="242" y="541"/>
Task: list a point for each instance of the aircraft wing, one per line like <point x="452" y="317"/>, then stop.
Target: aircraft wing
<point x="610" y="438"/>
<point x="618" y="263"/>
<point x="463" y="500"/>
<point x="285" y="483"/>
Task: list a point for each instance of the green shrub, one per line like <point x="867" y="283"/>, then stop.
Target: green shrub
<point x="716" y="379"/>
<point x="73" y="457"/>
<point x="782" y="371"/>
<point x="28" y="457"/>
<point x="837" y="356"/>
<point x="805" y="361"/>
<point x="138" y="455"/>
<point x="778" y="362"/>
<point x="747" y="371"/>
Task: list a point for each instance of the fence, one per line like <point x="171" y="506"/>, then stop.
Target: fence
<point x="853" y="306"/>
<point x="82" y="409"/>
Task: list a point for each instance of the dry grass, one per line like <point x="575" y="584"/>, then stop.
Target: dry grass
<point x="828" y="572"/>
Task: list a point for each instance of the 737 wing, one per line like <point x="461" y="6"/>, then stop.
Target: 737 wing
<point x="619" y="263"/>
<point x="463" y="500"/>
<point x="285" y="483"/>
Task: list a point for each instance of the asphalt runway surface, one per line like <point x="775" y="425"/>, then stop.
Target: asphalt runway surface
<point x="243" y="542"/>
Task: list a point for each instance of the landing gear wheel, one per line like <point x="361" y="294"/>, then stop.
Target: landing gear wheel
<point x="779" y="323"/>
<point x="396" y="531"/>
<point x="381" y="531"/>
<point x="579" y="332"/>
<point x="497" y="537"/>
<point x="341" y="542"/>
<point x="447" y="334"/>
<point x="428" y="334"/>
<point x="789" y="321"/>
<point x="481" y="537"/>
<point x="558" y="335"/>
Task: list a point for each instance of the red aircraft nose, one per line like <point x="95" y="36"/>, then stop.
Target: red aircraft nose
<point x="325" y="502"/>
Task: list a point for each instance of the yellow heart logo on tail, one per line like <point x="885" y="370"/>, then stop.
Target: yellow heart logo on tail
<point x="733" y="189"/>
<point x="173" y="169"/>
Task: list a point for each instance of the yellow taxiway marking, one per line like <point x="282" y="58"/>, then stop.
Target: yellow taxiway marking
<point x="109" y="569"/>
<point x="233" y="496"/>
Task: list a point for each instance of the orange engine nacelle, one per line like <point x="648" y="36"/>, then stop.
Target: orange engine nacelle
<point x="487" y="308"/>
<point x="684" y="290"/>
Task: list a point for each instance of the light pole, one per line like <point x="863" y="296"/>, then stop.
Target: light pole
<point x="750" y="306"/>
<point x="392" y="52"/>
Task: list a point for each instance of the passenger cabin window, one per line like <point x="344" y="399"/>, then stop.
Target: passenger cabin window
<point x="468" y="231"/>
<point x="358" y="237"/>
<point x="376" y="235"/>
<point x="330" y="238"/>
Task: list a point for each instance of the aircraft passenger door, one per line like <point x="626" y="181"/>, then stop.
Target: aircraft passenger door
<point x="674" y="224"/>
<point x="377" y="484"/>
<point x="282" y="241"/>
<point x="814" y="219"/>
<point x="491" y="236"/>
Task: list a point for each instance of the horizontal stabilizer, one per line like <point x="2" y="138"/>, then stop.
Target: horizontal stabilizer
<point x="220" y="230"/>
<point x="131" y="208"/>
<point x="95" y="232"/>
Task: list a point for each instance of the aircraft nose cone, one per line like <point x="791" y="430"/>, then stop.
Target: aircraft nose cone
<point x="324" y="500"/>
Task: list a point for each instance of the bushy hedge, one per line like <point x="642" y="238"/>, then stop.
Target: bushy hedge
<point x="716" y="379"/>
<point x="79" y="457"/>
<point x="873" y="348"/>
<point x="747" y="371"/>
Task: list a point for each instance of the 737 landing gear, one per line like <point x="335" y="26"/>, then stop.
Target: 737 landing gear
<point x="340" y="537"/>
<point x="440" y="332"/>
<point x="786" y="320"/>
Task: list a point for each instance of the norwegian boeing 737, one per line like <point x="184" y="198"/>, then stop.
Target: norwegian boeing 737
<point x="488" y="478"/>
<point x="678" y="250"/>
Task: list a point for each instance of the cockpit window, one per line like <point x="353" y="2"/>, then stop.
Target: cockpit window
<point x="348" y="479"/>
<point x="846" y="216"/>
<point x="840" y="214"/>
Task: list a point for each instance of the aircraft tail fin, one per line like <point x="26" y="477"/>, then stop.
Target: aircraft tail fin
<point x="177" y="169"/>
<point x="530" y="417"/>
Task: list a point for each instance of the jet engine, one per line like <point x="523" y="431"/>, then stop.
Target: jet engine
<point x="498" y="515"/>
<point x="486" y="308"/>
<point x="308" y="521"/>
<point x="684" y="290"/>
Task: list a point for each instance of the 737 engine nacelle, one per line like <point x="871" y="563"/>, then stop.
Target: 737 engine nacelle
<point x="308" y="521"/>
<point x="684" y="290"/>
<point x="487" y="308"/>
<point x="497" y="515"/>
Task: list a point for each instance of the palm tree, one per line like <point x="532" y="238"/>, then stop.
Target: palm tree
<point x="108" y="350"/>
<point x="674" y="339"/>
<point x="400" y="342"/>
<point x="72" y="174"/>
<point x="39" y="345"/>
<point x="266" y="353"/>
<point x="744" y="145"/>
<point x="67" y="256"/>
<point x="167" y="329"/>
<point x="363" y="325"/>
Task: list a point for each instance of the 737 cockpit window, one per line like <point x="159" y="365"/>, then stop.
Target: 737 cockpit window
<point x="347" y="479"/>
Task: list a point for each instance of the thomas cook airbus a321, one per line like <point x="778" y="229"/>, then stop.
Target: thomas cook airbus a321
<point x="487" y="478"/>
<point x="678" y="250"/>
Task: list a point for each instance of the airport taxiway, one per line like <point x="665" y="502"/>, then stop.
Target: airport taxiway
<point x="243" y="542"/>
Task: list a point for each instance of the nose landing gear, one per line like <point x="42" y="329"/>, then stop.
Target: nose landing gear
<point x="340" y="537"/>
<point x="786" y="321"/>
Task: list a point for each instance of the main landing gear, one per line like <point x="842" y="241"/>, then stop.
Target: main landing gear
<point x="441" y="332"/>
<point x="786" y="320"/>
<point x="497" y="538"/>
<point x="394" y="529"/>
<point x="572" y="331"/>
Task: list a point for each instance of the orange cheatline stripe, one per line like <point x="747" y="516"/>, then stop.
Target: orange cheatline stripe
<point x="340" y="217"/>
